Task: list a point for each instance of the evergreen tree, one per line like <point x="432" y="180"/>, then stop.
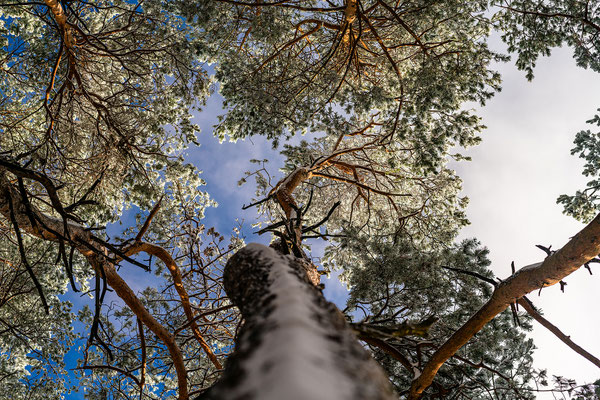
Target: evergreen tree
<point x="95" y="114"/>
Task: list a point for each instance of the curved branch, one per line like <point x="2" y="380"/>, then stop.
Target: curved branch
<point x="97" y="255"/>
<point x="387" y="348"/>
<point x="166" y="258"/>
<point x="123" y="290"/>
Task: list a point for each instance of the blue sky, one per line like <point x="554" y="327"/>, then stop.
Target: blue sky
<point x="517" y="173"/>
<point x="222" y="165"/>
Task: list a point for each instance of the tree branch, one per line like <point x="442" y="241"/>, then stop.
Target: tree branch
<point x="528" y="306"/>
<point x="146" y="225"/>
<point x="166" y="258"/>
<point x="97" y="255"/>
<point x="387" y="348"/>
<point x="580" y="249"/>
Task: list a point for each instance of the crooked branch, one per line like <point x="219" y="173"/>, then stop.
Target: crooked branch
<point x="166" y="258"/>
<point x="50" y="229"/>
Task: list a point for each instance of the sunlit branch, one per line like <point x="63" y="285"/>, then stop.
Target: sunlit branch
<point x="171" y="265"/>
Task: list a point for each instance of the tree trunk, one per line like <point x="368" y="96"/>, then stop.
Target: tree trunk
<point x="294" y="344"/>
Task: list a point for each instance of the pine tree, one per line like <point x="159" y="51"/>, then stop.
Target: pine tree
<point x="95" y="115"/>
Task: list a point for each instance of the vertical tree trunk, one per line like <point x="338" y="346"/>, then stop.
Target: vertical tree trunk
<point x="294" y="344"/>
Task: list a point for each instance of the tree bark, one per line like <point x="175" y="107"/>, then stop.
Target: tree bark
<point x="294" y="344"/>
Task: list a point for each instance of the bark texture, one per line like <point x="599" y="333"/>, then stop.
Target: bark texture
<point x="294" y="344"/>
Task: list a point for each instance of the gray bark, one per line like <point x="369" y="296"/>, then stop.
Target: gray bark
<point x="294" y="344"/>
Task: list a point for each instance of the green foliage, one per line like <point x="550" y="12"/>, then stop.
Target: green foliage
<point x="585" y="204"/>
<point x="33" y="344"/>
<point x="394" y="281"/>
<point x="103" y="109"/>
<point x="114" y="108"/>
<point x="276" y="84"/>
<point x="201" y="254"/>
<point x="533" y="28"/>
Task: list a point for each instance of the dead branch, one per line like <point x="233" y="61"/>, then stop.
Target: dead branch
<point x="142" y="381"/>
<point x="315" y="226"/>
<point x="245" y="207"/>
<point x="388" y="349"/>
<point x="531" y="310"/>
<point x="146" y="225"/>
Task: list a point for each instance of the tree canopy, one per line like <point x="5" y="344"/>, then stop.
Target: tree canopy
<point x="96" y="109"/>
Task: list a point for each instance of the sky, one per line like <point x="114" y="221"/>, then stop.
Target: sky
<point x="516" y="174"/>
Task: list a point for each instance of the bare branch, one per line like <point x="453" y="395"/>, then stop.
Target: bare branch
<point x="528" y="306"/>
<point x="166" y="258"/>
<point x="146" y="225"/>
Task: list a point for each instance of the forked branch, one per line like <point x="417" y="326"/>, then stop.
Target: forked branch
<point x="48" y="228"/>
<point x="166" y="258"/>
